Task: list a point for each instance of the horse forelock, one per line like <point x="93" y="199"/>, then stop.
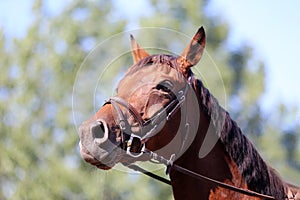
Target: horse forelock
<point x="158" y="59"/>
<point x="254" y="170"/>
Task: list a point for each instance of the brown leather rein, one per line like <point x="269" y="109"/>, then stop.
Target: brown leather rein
<point x="132" y="141"/>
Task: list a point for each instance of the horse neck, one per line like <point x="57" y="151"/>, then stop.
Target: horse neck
<point x="214" y="165"/>
<point x="233" y="159"/>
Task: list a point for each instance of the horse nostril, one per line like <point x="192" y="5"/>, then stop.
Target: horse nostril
<point x="99" y="131"/>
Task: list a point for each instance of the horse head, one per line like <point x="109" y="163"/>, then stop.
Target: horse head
<point x="147" y="110"/>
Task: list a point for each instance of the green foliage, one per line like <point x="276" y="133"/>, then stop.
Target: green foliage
<point x="39" y="157"/>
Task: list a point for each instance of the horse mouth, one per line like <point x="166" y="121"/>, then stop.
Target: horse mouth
<point x="88" y="157"/>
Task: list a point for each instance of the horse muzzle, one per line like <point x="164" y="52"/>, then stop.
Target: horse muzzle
<point x="95" y="145"/>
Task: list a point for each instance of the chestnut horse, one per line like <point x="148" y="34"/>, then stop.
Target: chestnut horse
<point x="160" y="107"/>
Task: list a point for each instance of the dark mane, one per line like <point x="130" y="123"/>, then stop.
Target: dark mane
<point x="256" y="173"/>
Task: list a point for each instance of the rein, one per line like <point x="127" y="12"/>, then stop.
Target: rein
<point x="134" y="145"/>
<point x="170" y="165"/>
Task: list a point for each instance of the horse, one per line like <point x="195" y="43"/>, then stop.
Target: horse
<point x="161" y="109"/>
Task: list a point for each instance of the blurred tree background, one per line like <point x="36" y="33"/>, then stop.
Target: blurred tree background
<point x="39" y="157"/>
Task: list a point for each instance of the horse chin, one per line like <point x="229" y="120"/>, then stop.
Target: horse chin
<point x="107" y="162"/>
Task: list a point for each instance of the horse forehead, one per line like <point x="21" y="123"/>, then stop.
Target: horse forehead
<point x="153" y="74"/>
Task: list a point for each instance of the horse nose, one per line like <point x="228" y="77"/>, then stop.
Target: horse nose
<point x="99" y="131"/>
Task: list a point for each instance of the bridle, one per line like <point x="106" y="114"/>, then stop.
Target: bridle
<point x="135" y="145"/>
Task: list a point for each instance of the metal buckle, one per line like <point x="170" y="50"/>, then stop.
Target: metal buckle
<point x="130" y="145"/>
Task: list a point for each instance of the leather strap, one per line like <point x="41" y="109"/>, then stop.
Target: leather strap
<point x="220" y="184"/>
<point x="199" y="177"/>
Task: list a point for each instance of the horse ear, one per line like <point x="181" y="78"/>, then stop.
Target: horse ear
<point x="138" y="53"/>
<point x="193" y="52"/>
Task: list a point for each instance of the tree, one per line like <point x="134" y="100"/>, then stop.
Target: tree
<point x="39" y="157"/>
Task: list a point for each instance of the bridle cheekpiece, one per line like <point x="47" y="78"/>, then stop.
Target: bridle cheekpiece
<point x="133" y="143"/>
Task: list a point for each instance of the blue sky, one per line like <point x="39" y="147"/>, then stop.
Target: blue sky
<point x="270" y="26"/>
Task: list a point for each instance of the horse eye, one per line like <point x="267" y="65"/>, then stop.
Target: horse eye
<point x="165" y="86"/>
